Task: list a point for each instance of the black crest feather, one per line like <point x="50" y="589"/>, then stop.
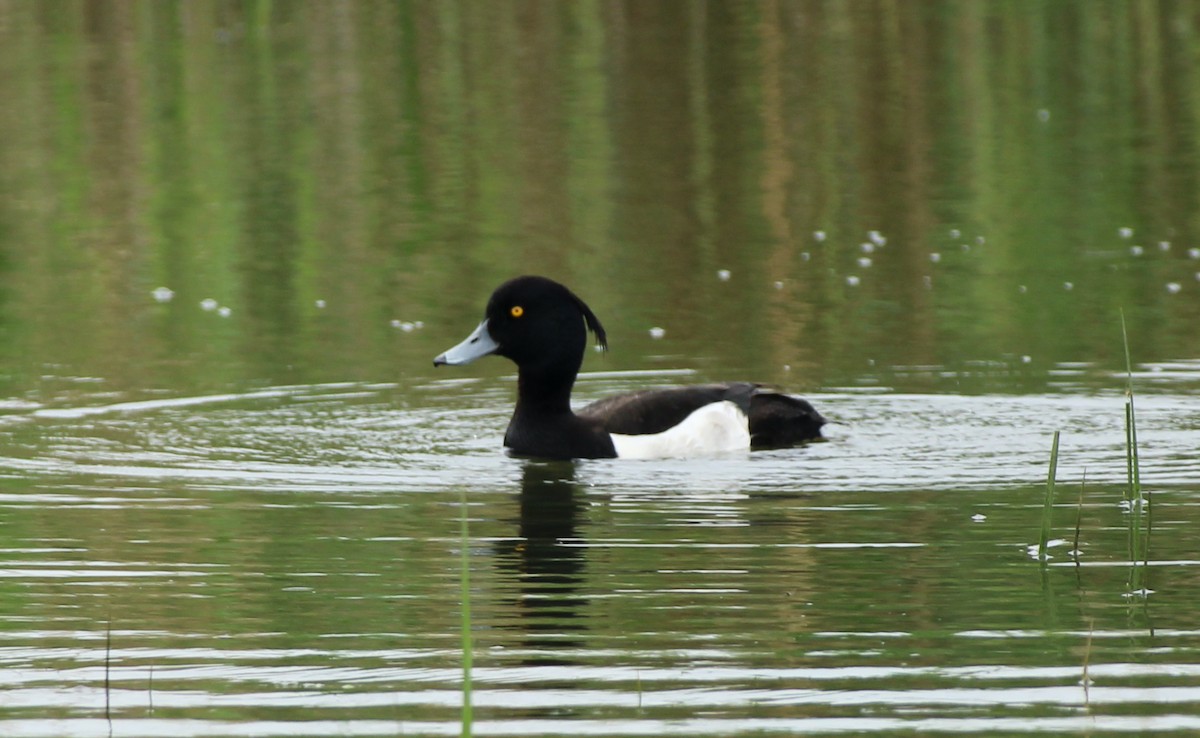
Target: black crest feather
<point x="593" y="323"/>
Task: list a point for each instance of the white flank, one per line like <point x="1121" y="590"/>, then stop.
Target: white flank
<point x="719" y="427"/>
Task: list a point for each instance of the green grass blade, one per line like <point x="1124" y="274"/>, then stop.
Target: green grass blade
<point x="1048" y="507"/>
<point x="1128" y="362"/>
<point x="1135" y="481"/>
<point x="467" y="648"/>
<point x="1131" y="447"/>
<point x="1129" y="451"/>
<point x="1139" y="544"/>
<point x="1079" y="517"/>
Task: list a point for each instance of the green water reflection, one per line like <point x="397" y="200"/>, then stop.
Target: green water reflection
<point x="587" y="597"/>
<point x="395" y="160"/>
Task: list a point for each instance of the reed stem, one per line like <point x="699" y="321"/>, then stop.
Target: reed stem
<point x="1079" y="517"/>
<point x="1048" y="507"/>
<point x="1139" y="544"/>
<point x="108" y="672"/>
<point x="465" y="585"/>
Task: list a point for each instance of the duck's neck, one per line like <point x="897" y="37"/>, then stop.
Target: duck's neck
<point x="543" y="392"/>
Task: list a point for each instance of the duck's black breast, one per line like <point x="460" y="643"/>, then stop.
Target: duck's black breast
<point x="776" y="420"/>
<point x="557" y="436"/>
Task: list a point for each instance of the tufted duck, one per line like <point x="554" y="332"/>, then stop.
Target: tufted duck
<point x="542" y="327"/>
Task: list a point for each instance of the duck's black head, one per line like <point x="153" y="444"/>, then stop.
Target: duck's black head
<point x="537" y="323"/>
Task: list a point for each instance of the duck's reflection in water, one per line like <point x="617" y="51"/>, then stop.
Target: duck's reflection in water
<point x="547" y="561"/>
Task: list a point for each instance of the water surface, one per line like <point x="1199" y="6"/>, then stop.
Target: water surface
<point x="233" y="236"/>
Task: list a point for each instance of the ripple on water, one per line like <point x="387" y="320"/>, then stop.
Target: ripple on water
<point x="287" y="561"/>
<point x="347" y="435"/>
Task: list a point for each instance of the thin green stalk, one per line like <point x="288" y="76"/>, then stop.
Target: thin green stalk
<point x="1079" y="517"/>
<point x="465" y="584"/>
<point x="1138" y="499"/>
<point x="1139" y="545"/>
<point x="1131" y="445"/>
<point x="1129" y="451"/>
<point x="1133" y="498"/>
<point x="1149" y="529"/>
<point x="108" y="672"/>
<point x="1087" y="658"/>
<point x="1048" y="508"/>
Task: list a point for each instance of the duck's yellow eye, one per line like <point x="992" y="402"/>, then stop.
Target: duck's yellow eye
<point x="517" y="311"/>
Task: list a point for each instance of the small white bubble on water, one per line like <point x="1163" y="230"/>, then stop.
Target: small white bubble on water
<point x="1022" y="289"/>
<point x="980" y="240"/>
<point x="320" y="304"/>
<point x="877" y="238"/>
<point x="1128" y="505"/>
<point x="805" y="256"/>
<point x="853" y="281"/>
<point x="1043" y="115"/>
<point x="1174" y="287"/>
<point x="1164" y="245"/>
<point x="1194" y="253"/>
<point x="966" y="247"/>
<point x="208" y="304"/>
<point x="1136" y="250"/>
<point x="979" y="517"/>
<point x="224" y="311"/>
<point x="819" y="235"/>
<point x="928" y="281"/>
<point x="866" y="247"/>
<point x="1125" y="232"/>
<point x="1026" y="359"/>
<point x="955" y="233"/>
<point x="864" y="261"/>
<point x="778" y="285"/>
<point x="935" y="257"/>
<point x="1068" y="286"/>
<point x="418" y="324"/>
<point x="163" y="294"/>
<point x="724" y="275"/>
<point x="657" y="333"/>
